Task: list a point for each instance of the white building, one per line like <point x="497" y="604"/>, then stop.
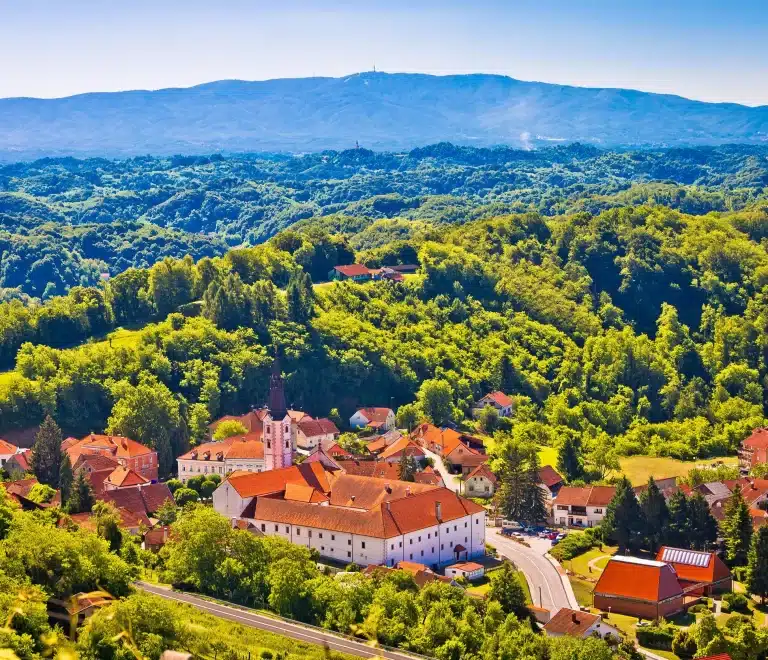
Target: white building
<point x="244" y="453"/>
<point x="381" y="419"/>
<point x="7" y="450"/>
<point x="312" y="432"/>
<point x="349" y="518"/>
<point x="467" y="569"/>
<point x="581" y="506"/>
<point x="498" y="400"/>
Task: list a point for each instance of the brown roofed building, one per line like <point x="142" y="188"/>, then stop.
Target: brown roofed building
<point x="550" y="481"/>
<point x="122" y="477"/>
<point x="394" y="452"/>
<point x="140" y="500"/>
<point x="480" y="482"/>
<point x="754" y="450"/>
<point x="244" y="453"/>
<point x="497" y="400"/>
<point x="354" y="272"/>
<point x="638" y="587"/>
<point x="126" y="452"/>
<point x="581" y="506"/>
<point x="311" y="432"/>
<point x="381" y="419"/>
<point x="581" y="625"/>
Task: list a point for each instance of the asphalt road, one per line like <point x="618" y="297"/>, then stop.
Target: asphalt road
<point x="451" y="480"/>
<point x="547" y="589"/>
<point x="276" y="625"/>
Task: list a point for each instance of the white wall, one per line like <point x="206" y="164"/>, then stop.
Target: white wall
<point x="227" y="501"/>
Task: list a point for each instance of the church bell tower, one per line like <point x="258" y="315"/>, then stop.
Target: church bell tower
<point x="278" y="452"/>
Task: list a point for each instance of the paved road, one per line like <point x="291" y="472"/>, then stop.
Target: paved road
<point x="277" y="625"/>
<point x="544" y="580"/>
<point x="450" y="480"/>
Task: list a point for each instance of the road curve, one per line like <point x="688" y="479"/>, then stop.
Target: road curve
<point x="545" y="582"/>
<point x="276" y="625"/>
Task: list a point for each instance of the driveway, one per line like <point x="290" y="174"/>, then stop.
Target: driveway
<point x="451" y="481"/>
<point x="548" y="583"/>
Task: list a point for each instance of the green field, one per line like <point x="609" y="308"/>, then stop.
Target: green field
<point x="121" y="337"/>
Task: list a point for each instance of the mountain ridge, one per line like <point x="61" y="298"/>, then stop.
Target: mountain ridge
<point x="393" y="111"/>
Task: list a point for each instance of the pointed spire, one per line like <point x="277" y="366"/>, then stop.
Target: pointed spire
<point x="277" y="408"/>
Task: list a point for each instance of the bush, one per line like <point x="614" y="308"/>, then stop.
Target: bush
<point x="740" y="573"/>
<point x="573" y="545"/>
<point x="266" y="654"/>
<point x="736" y="602"/>
<point x="683" y="644"/>
<point x="656" y="637"/>
<point x="698" y="608"/>
<point x="185" y="495"/>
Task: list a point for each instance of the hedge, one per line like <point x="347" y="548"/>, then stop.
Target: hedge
<point x="654" y="637"/>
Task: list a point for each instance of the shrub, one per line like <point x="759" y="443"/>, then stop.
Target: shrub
<point x="736" y="602"/>
<point x="185" y="495"/>
<point x="656" y="637"/>
<point x="683" y="643"/>
<point x="266" y="654"/>
<point x="740" y="573"/>
<point x="573" y="545"/>
<point x="699" y="607"/>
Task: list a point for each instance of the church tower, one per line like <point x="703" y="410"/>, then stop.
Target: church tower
<point x="278" y="452"/>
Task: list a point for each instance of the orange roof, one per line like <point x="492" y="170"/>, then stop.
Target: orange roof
<point x="467" y="566"/>
<point x="303" y="493"/>
<point x="20" y="487"/>
<point x="549" y="476"/>
<point x="349" y="490"/>
<point x="639" y="579"/>
<point x="314" y="427"/>
<point x="694" y="565"/>
<point x="377" y="445"/>
<point x="758" y="439"/>
<point x="403" y="444"/>
<point x="380" y="469"/>
<point x="333" y="448"/>
<point x="585" y="495"/>
<point x="411" y="567"/>
<point x="253" y="484"/>
<point x="7" y="447"/>
<point x="111" y="445"/>
<point x="352" y="270"/>
<point x="753" y="489"/>
<point x="571" y="622"/>
<point x="242" y="446"/>
<point x="499" y="398"/>
<point x="375" y="415"/>
<point x="482" y="470"/>
<point x="121" y="477"/>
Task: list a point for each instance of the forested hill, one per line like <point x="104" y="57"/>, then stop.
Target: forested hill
<point x="383" y="111"/>
<point x="65" y="222"/>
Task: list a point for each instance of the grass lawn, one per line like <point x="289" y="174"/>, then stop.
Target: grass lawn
<point x="548" y="456"/>
<point x="120" y="337"/>
<point x="582" y="590"/>
<point x="580" y="564"/>
<point x="639" y="468"/>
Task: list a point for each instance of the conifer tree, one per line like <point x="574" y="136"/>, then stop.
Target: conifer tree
<point x="46" y="453"/>
<point x="407" y="468"/>
<point x="81" y="497"/>
<point x="677" y="530"/>
<point x="569" y="459"/>
<point x="535" y="499"/>
<point x="655" y="514"/>
<point x="66" y="477"/>
<point x="623" y="520"/>
<point x="757" y="574"/>
<point x="737" y="529"/>
<point x="300" y="297"/>
<point x="702" y="526"/>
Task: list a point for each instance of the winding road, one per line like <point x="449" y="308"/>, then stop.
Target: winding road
<point x="451" y="481"/>
<point x="549" y="585"/>
<point x="277" y="625"/>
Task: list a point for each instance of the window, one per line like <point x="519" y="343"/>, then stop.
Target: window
<point x="349" y="541"/>
<point x="429" y="536"/>
<point x="419" y="539"/>
<point x="320" y="535"/>
<point x="442" y="546"/>
<point x="477" y="522"/>
<point x="598" y="510"/>
<point x="298" y="531"/>
<point x="447" y="530"/>
<point x="322" y="548"/>
<point x="309" y="533"/>
<point x="287" y="529"/>
<point x="275" y="527"/>
<point x="333" y="537"/>
<point x="400" y="544"/>
<point x="349" y="554"/>
<point x="465" y="539"/>
<point x="455" y="528"/>
<point x="411" y="555"/>
<point x="451" y="544"/>
<point x="393" y="547"/>
<point x="263" y="527"/>
<point x="433" y="551"/>
<point x="410" y="541"/>
<point x="362" y="545"/>
<point x="465" y="525"/>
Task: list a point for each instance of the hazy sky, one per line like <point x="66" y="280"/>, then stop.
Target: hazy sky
<point x="714" y="51"/>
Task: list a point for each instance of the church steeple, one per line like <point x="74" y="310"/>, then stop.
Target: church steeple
<point x="278" y="445"/>
<point x="277" y="407"/>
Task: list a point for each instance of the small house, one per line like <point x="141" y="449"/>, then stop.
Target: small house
<point x="467" y="569"/>
<point x="353" y="272"/>
<point x="381" y="419"/>
<point x="480" y="482"/>
<point x="581" y="625"/>
<point x="498" y="400"/>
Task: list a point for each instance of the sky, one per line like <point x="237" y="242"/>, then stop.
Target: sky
<point x="706" y="50"/>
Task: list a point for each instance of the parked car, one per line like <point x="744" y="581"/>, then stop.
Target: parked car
<point x="561" y="536"/>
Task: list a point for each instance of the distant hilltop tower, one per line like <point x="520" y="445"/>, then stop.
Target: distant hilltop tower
<point x="278" y="452"/>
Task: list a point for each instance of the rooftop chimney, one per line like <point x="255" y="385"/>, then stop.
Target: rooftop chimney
<point x="439" y="511"/>
<point x="353" y="498"/>
<point x="388" y="507"/>
<point x="574" y="618"/>
<point x="408" y="491"/>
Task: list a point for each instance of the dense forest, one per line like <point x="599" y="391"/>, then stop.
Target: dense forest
<point x="68" y="222"/>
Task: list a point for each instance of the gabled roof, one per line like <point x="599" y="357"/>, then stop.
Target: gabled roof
<point x="249" y="446"/>
<point x="758" y="439"/>
<point x="375" y="415"/>
<point x="381" y="469"/>
<point x="716" y="488"/>
<point x="348" y="490"/>
<point x="404" y="444"/>
<point x="377" y="445"/>
<point x="319" y="455"/>
<point x="467" y="566"/>
<point x="549" y="476"/>
<point x="639" y="579"/>
<point x="482" y="470"/>
<point x="253" y="484"/>
<point x="334" y="449"/>
<point x="497" y="397"/>
<point x="139" y="499"/>
<point x="585" y="495"/>
<point x="315" y="427"/>
<point x="121" y="477"/>
<point x="111" y="445"/>
<point x="20" y="487"/>
<point x="95" y="462"/>
<point x="7" y="448"/>
<point x="694" y="565"/>
<point x="303" y="493"/>
<point x="352" y="270"/>
<point x="571" y="622"/>
<point x="753" y="489"/>
<point x="21" y="460"/>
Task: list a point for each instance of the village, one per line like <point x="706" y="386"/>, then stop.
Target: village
<point x="422" y="500"/>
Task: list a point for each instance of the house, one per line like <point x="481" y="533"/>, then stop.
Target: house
<point x="581" y="506"/>
<point x="253" y="421"/>
<point x="156" y="538"/>
<point x="9" y="451"/>
<point x="429" y="476"/>
<point x="18" y="464"/>
<point x="481" y="482"/>
<point x="467" y="569"/>
<point x="358" y="519"/>
<point x="128" y="453"/>
<point x="498" y="400"/>
<point x="581" y="625"/>
<point x="388" y="470"/>
<point x="311" y="432"/>
<point x="550" y="481"/>
<point x="704" y="571"/>
<point x="753" y="450"/>
<point x="139" y="500"/>
<point x="335" y="450"/>
<point x="642" y="588"/>
<point x="755" y="491"/>
<point x="122" y="477"/>
<point x="381" y="419"/>
<point x="464" y="459"/>
<point x="386" y="273"/>
<point x="394" y="452"/>
<point x="422" y="575"/>
<point x="353" y="272"/>
<point x="244" y="452"/>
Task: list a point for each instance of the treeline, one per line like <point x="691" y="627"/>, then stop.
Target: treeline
<point x="66" y="221"/>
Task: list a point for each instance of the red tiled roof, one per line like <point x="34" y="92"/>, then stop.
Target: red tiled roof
<point x="758" y="439"/>
<point x="431" y="478"/>
<point x="139" y="499"/>
<point x="482" y="470"/>
<point x="22" y="460"/>
<point x="97" y="478"/>
<point x="314" y="427"/>
<point x="465" y="456"/>
<point x="334" y="449"/>
<point x="375" y="415"/>
<point x="121" y="477"/>
<point x="549" y="476"/>
<point x="110" y="445"/>
<point x="381" y="469"/>
<point x="640" y="579"/>
<point x="468" y="566"/>
<point x="571" y="622"/>
<point x="752" y="489"/>
<point x="68" y="442"/>
<point x="253" y="484"/>
<point x="348" y="490"/>
<point x="249" y="446"/>
<point x="352" y="270"/>
<point x="20" y="487"/>
<point x="377" y="445"/>
<point x="694" y="565"/>
<point x="403" y="444"/>
<point x="7" y="447"/>
<point x="719" y="656"/>
<point x="499" y="398"/>
<point x="303" y="493"/>
<point x="157" y="536"/>
<point x="95" y="462"/>
<point x="585" y="495"/>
